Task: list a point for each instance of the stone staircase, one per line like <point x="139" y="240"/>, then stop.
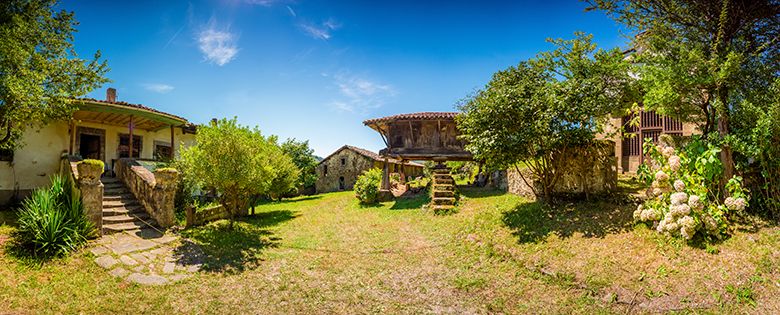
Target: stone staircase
<point x="443" y="196"/>
<point x="121" y="210"/>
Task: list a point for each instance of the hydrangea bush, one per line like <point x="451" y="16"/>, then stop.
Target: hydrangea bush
<point x="683" y="198"/>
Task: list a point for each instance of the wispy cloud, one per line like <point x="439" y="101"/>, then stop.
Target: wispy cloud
<point x="217" y="45"/>
<point x="158" y="87"/>
<point x="323" y="30"/>
<point x="266" y="3"/>
<point x="360" y="94"/>
<point x="292" y="12"/>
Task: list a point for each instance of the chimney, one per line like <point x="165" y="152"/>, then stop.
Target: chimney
<point x="111" y="95"/>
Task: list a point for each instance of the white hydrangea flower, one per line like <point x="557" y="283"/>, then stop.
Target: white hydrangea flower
<point x="736" y="204"/>
<point x="687" y="233"/>
<point x="638" y="212"/>
<point x="658" y="192"/>
<point x="679" y="198"/>
<point x="674" y="163"/>
<point x="683" y="209"/>
<point x="695" y="203"/>
<point x="687" y="222"/>
<point x="667" y="152"/>
<point x="662" y="178"/>
<point x="679" y="185"/>
<point x="709" y="223"/>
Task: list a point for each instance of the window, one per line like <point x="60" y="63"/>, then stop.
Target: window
<point x="162" y="151"/>
<point x="325" y="170"/>
<point x="341" y="183"/>
<point x="6" y="155"/>
<point x="124" y="142"/>
<point x="343" y="161"/>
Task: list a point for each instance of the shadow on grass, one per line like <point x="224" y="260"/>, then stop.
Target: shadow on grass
<point x="238" y="249"/>
<point x="480" y="192"/>
<point x="534" y="221"/>
<point x="286" y="201"/>
<point x="410" y="202"/>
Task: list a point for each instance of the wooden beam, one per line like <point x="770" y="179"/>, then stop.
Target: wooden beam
<point x="130" y="128"/>
<point x="71" y="135"/>
<point x="173" y="145"/>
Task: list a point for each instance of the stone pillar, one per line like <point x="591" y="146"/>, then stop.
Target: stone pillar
<point x="91" y="192"/>
<point x="164" y="195"/>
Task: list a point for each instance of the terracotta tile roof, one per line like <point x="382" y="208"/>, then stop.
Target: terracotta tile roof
<point x="371" y="155"/>
<point x="414" y="116"/>
<point x="137" y="106"/>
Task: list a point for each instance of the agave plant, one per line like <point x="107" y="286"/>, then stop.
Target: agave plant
<point x="51" y="222"/>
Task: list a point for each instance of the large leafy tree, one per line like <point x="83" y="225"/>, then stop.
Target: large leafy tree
<point x="40" y="73"/>
<point x="286" y="175"/>
<point x="535" y="113"/>
<point x="237" y="161"/>
<point x="303" y="157"/>
<point x="703" y="60"/>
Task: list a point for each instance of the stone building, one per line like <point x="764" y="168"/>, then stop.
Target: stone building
<point x="628" y="139"/>
<point x="340" y="170"/>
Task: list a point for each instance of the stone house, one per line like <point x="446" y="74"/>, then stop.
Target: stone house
<point x="104" y="130"/>
<point x="340" y="170"/>
<point x="628" y="139"/>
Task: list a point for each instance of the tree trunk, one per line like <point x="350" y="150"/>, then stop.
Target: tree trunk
<point x="726" y="156"/>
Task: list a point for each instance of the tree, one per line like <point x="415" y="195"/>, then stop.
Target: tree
<point x="702" y="59"/>
<point x="286" y="175"/>
<point x="534" y="114"/>
<point x="237" y="161"/>
<point x="40" y="73"/>
<point x="303" y="157"/>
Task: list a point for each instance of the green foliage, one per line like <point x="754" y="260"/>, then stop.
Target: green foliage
<point x="286" y="174"/>
<point x="51" y="222"/>
<point x="535" y="112"/>
<point x="367" y="186"/>
<point x="237" y="161"/>
<point x="41" y="73"/>
<point x="685" y="199"/>
<point x="707" y="62"/>
<point x="303" y="157"/>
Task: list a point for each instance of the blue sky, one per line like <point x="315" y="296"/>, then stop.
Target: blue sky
<point x="316" y="69"/>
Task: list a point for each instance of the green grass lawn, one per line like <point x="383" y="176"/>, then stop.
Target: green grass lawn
<point x="499" y="253"/>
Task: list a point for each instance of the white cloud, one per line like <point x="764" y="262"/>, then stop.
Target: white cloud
<point x="292" y="12"/>
<point x="218" y="46"/>
<point x="323" y="30"/>
<point x="158" y="87"/>
<point x="360" y="94"/>
<point x="265" y="3"/>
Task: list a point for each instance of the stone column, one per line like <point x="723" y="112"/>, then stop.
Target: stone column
<point x="164" y="195"/>
<point x="91" y="192"/>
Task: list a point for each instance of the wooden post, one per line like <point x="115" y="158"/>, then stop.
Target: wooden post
<point x="130" y="141"/>
<point x="71" y="136"/>
<point x="386" y="175"/>
<point x="173" y="144"/>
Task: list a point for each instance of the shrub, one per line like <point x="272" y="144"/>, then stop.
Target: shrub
<point x="367" y="186"/>
<point x="684" y="199"/>
<point x="51" y="222"/>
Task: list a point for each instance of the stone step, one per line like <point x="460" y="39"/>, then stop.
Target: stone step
<point x="123" y="210"/>
<point x="109" y="180"/>
<point x="443" y="187"/>
<point x="443" y="201"/>
<point x="119" y="203"/>
<point x="437" y="181"/>
<point x="442" y="207"/>
<point x="124" y="218"/>
<point x="127" y="196"/>
<point x="120" y="227"/>
<point x="440" y="175"/>
<point x="443" y="193"/>
<point x="115" y="191"/>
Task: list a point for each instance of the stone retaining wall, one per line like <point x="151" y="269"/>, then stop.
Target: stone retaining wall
<point x="155" y="191"/>
<point x="84" y="181"/>
<point x="591" y="170"/>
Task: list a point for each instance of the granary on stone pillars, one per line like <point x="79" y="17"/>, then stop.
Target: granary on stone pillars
<point x="431" y="136"/>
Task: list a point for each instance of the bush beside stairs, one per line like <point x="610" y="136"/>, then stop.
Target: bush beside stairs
<point x="121" y="210"/>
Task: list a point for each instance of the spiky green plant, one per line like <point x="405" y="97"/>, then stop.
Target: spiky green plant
<point x="52" y="222"/>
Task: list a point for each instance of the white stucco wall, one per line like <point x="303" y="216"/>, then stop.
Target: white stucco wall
<point x="39" y="157"/>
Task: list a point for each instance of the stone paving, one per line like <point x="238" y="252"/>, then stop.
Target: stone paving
<point x="148" y="257"/>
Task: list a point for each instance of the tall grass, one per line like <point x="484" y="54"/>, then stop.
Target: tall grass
<point x="51" y="222"/>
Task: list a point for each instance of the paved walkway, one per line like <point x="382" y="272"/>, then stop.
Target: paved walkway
<point x="148" y="257"/>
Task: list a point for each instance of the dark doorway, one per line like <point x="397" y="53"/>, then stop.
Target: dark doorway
<point x="89" y="146"/>
<point x="341" y="183"/>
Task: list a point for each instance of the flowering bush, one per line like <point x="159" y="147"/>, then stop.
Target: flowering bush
<point x="683" y="195"/>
